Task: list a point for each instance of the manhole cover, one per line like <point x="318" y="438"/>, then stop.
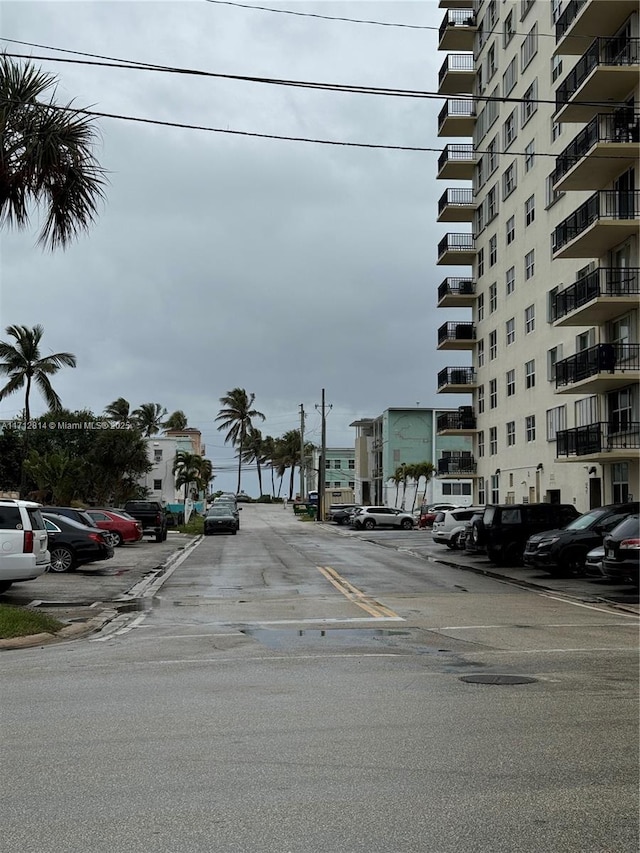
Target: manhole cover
<point x="498" y="679"/>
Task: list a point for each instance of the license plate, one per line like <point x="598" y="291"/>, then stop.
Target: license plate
<point x="610" y="553"/>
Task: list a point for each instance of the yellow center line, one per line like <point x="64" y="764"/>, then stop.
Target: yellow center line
<point x="361" y="599"/>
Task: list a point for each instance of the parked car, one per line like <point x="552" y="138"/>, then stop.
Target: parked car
<point x="220" y="518"/>
<point x="151" y="515"/>
<point x="72" y="544"/>
<point x="563" y="551"/>
<point x="24" y="553"/>
<point x="622" y="551"/>
<point x="464" y="539"/>
<point x="341" y="513"/>
<point x="504" y="529"/>
<point x="243" y="497"/>
<point x="122" y="527"/>
<point x="450" y="523"/>
<point x="370" y="517"/>
<point x="427" y="514"/>
<point x="593" y="562"/>
<point x="230" y="502"/>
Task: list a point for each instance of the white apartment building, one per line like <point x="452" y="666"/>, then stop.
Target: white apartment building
<point x="546" y="191"/>
<point x="160" y="480"/>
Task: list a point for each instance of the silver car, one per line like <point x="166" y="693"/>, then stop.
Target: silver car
<point x="370" y="517"/>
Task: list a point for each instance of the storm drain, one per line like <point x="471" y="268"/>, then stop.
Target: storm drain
<point x="498" y="679"/>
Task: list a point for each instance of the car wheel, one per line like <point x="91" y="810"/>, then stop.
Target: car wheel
<point x="369" y="524"/>
<point x="119" y="540"/>
<point x="477" y="532"/>
<point x="453" y="542"/>
<point x="4" y="586"/>
<point x="62" y="559"/>
<point x="513" y="555"/>
<point x="164" y="535"/>
<point x="159" y="537"/>
<point x="572" y="561"/>
<point x="494" y="556"/>
<point x="407" y="524"/>
<point x="234" y="532"/>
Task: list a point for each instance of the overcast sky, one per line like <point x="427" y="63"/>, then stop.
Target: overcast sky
<point x="220" y="260"/>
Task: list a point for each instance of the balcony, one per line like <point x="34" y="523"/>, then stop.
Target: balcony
<point x="457" y="118"/>
<point x="456" y="336"/>
<point x="457" y="466"/>
<point x="457" y="380"/>
<point x="456" y="4"/>
<point x="458" y="30"/>
<point x="462" y="422"/>
<point x="457" y="162"/>
<point x="457" y="75"/>
<point x="456" y="205"/>
<point x="603" y="221"/>
<point x="457" y="293"/>
<point x="457" y="249"/>
<point x="599" y="369"/>
<point x="604" y="75"/>
<point x="605" y="442"/>
<point x="608" y="145"/>
<point x="597" y="298"/>
<point x="581" y="19"/>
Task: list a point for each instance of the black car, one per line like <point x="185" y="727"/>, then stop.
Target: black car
<point x="622" y="551"/>
<point x="564" y="551"/>
<point x="220" y="518"/>
<point x="82" y="517"/>
<point x="72" y="544"/>
<point x="504" y="529"/>
<point x="341" y="513"/>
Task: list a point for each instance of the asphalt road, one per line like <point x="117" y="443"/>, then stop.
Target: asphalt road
<point x="297" y="689"/>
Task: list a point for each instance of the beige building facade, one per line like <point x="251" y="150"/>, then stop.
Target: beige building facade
<point x="542" y="193"/>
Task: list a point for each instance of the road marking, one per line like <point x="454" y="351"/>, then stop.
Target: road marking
<point x="555" y="651"/>
<point x="355" y="595"/>
<point x="586" y="606"/>
<point x="536" y="627"/>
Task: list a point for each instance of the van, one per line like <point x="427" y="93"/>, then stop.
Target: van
<point x="24" y="543"/>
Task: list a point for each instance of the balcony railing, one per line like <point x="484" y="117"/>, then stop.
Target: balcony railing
<point x="602" y="358"/>
<point x="456" y="287"/>
<point x="604" y="204"/>
<point x="615" y="52"/>
<point x="456" y="376"/>
<point x="456" y="332"/>
<point x="618" y="434"/>
<point x="568" y="17"/>
<point x="456" y="243"/>
<point x="455" y="62"/>
<point x="602" y="282"/>
<point x="456" y="108"/>
<point x="456" y="153"/>
<point x="457" y="465"/>
<point x="456" y="420"/>
<point x="459" y="197"/>
<point x="457" y="18"/>
<point x="621" y="126"/>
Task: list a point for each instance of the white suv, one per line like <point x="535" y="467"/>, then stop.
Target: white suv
<point x="24" y="542"/>
<point x="449" y="524"/>
<point x="370" y="517"/>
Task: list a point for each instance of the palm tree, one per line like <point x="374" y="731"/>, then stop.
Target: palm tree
<point x="396" y="478"/>
<point x="268" y="455"/>
<point x="255" y="452"/>
<point x="422" y="469"/>
<point x="119" y="410"/>
<point x="149" y="418"/>
<point x="177" y="420"/>
<point x="188" y="467"/>
<point x="25" y="366"/>
<point x="235" y="416"/>
<point x="46" y="156"/>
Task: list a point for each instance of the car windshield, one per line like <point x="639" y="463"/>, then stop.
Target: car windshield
<point x="220" y="510"/>
<point x="582" y="522"/>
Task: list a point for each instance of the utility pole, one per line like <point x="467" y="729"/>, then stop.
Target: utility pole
<point x="302" y="492"/>
<point x="322" y="466"/>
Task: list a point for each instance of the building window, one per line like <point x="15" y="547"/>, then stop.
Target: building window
<point x="480" y="399"/>
<point x="157" y="485"/>
<point x="556" y="68"/>
<point x="510" y="78"/>
<point x="511" y="383"/>
<point x="493" y="250"/>
<point x="509" y="180"/>
<point x="327" y="463"/>
<point x="529" y="264"/>
<point x="511" y="331"/>
<point x="492" y="162"/>
<point x="556" y="10"/>
<point x="337" y="484"/>
<point x="491" y="62"/>
<point x="529" y="156"/>
<point x="509" y="130"/>
<point x="481" y="353"/>
<point x="480" y="218"/>
<point x="337" y="463"/>
<point x="529" y="102"/>
<point x="554" y="355"/>
<point x="511" y="433"/>
<point x="556" y="420"/>
<point x="529" y="47"/>
<point x="508" y="29"/>
<point x="481" y="443"/>
<point x="480" y="307"/>
<point x="157" y="454"/>
<point x="530" y="373"/>
<point x="493" y="297"/>
<point x="511" y="229"/>
<point x="493" y="393"/>
<point x="620" y="482"/>
<point x="493" y="441"/>
<point x="493" y="345"/>
<point x="352" y="464"/>
<point x="530" y="427"/>
<point x="510" y="278"/>
<point x="586" y="411"/>
<point x="480" y="262"/>
<point x="529" y="319"/>
<point x="556" y="130"/>
<point x="492" y="204"/>
<point x="352" y="484"/>
<point x="552" y="195"/>
<point x="529" y="210"/>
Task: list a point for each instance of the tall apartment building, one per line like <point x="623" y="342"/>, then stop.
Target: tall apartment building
<point x="547" y="191"/>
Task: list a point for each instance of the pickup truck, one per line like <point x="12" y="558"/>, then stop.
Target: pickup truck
<point x="151" y="515"/>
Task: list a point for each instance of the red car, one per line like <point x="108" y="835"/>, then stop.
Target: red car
<point x="428" y="513"/>
<point x="122" y="527"/>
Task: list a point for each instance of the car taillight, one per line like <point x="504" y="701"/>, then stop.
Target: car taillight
<point x="158" y="519"/>
<point x="630" y="544"/>
<point x="97" y="537"/>
<point x="27" y="542"/>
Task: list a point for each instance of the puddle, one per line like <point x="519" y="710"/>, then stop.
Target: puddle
<point x="278" y="638"/>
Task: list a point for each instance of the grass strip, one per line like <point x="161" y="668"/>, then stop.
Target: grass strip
<point x="21" y="622"/>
